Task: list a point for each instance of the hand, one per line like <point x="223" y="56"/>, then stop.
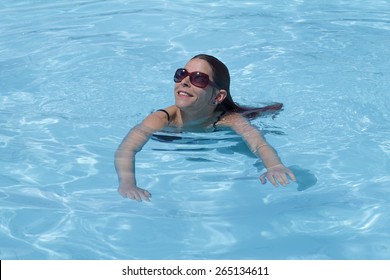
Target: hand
<point x="277" y="174"/>
<point x="134" y="193"/>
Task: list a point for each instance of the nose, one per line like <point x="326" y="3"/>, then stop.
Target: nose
<point x="186" y="82"/>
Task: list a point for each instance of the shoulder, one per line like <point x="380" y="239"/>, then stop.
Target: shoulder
<point x="233" y="119"/>
<point x="238" y="123"/>
<point x="168" y="113"/>
<point x="160" y="118"/>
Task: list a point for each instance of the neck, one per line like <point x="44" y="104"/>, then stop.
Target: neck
<point x="197" y="118"/>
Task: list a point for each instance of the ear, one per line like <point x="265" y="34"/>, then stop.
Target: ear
<point x="220" y="95"/>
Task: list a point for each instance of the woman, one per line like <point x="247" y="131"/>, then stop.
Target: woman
<point x="202" y="103"/>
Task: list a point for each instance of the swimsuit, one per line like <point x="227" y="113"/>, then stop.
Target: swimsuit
<point x="214" y="124"/>
<point x="162" y="110"/>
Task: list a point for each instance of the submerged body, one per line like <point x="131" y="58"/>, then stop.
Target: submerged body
<point x="201" y="104"/>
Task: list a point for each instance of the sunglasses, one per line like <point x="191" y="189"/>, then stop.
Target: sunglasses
<point x="197" y="78"/>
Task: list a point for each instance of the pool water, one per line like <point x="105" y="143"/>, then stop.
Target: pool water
<point x="76" y="75"/>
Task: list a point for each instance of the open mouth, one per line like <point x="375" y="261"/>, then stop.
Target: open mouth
<point x="184" y="94"/>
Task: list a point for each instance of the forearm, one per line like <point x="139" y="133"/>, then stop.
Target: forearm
<point x="125" y="154"/>
<point x="125" y="166"/>
<point x="258" y="145"/>
<point x="267" y="154"/>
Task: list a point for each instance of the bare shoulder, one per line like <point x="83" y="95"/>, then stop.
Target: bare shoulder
<point x="172" y="111"/>
<point x="233" y="120"/>
<point x="243" y="127"/>
<point x="160" y="118"/>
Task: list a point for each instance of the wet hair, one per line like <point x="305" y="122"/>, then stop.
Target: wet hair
<point x="221" y="77"/>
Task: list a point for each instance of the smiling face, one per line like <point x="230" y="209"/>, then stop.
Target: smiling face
<point x="191" y="98"/>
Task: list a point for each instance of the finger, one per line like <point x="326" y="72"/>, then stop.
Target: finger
<point x="145" y="195"/>
<point x="283" y="180"/>
<point x="279" y="181"/>
<point x="122" y="193"/>
<point x="148" y="194"/>
<point x="262" y="179"/>
<point x="272" y="180"/>
<point x="137" y="197"/>
<point x="133" y="195"/>
<point x="292" y="176"/>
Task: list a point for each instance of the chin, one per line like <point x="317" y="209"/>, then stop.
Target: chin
<point x="182" y="104"/>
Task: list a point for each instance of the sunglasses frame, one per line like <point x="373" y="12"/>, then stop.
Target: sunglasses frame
<point x="193" y="75"/>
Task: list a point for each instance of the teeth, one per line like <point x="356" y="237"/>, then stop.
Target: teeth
<point x="183" y="93"/>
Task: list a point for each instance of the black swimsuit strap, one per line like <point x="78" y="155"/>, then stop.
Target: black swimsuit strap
<point x="162" y="110"/>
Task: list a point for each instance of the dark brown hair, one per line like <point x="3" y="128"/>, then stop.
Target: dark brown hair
<point x="221" y="77"/>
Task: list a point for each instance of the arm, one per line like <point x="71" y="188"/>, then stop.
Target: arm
<point x="125" y="155"/>
<point x="276" y="171"/>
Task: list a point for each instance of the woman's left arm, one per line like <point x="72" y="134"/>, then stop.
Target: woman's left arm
<point x="276" y="172"/>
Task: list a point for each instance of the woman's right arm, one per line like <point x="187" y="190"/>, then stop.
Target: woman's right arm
<point x="125" y="155"/>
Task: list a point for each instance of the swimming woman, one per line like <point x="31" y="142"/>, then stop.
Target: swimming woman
<point x="202" y="103"/>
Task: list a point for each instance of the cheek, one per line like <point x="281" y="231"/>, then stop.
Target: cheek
<point x="206" y="95"/>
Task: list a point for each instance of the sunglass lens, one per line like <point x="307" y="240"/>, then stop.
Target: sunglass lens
<point x="180" y="74"/>
<point x="199" y="79"/>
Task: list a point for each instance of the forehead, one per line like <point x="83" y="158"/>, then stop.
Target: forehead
<point x="200" y="65"/>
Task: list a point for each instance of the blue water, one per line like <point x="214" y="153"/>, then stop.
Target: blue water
<point x="76" y="75"/>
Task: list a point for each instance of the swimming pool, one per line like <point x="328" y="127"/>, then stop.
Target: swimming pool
<point x="76" y="75"/>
